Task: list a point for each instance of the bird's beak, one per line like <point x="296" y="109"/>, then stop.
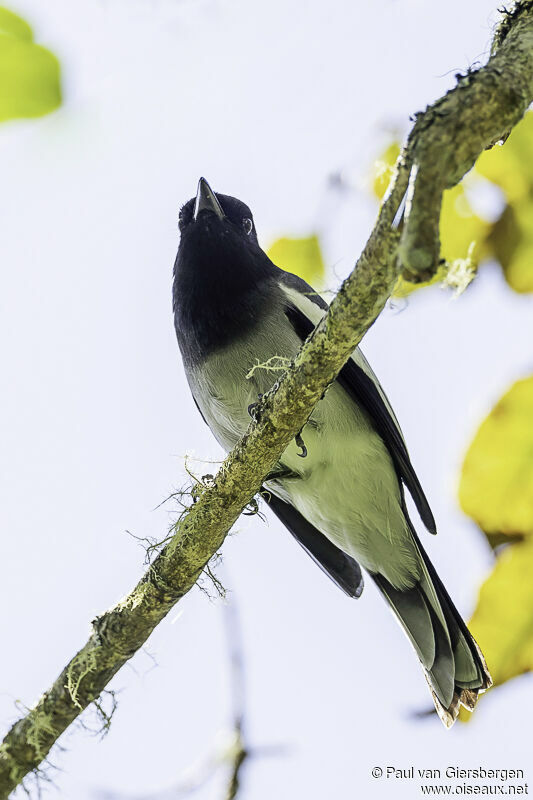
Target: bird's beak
<point x="206" y="200"/>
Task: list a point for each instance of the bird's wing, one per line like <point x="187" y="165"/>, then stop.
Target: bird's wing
<point x="341" y="568"/>
<point x="304" y="309"/>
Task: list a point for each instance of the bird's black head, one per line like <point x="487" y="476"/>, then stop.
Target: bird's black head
<point x="221" y="274"/>
<point x="219" y="213"/>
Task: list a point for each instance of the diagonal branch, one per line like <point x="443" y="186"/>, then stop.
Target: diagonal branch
<point x="199" y="534"/>
<point x="442" y="146"/>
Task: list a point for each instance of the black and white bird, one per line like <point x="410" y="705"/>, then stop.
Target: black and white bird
<point x="340" y="488"/>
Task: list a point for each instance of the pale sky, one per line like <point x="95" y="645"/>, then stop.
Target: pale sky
<point x="266" y="100"/>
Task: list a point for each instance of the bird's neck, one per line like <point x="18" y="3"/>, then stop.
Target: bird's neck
<point x="212" y="307"/>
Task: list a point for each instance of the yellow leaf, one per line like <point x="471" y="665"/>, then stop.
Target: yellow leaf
<point x="511" y="237"/>
<point x="29" y="74"/>
<point x="462" y="235"/>
<point x="511" y="240"/>
<point x="462" y="232"/>
<point x="510" y="166"/>
<point x="13" y="24"/>
<point x="403" y="288"/>
<point x="383" y="167"/>
<point x="496" y="484"/>
<point x="502" y="623"/>
<point x="519" y="273"/>
<point x="460" y="227"/>
<point x="301" y="256"/>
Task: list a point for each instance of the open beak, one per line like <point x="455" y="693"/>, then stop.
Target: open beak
<point x="206" y="200"/>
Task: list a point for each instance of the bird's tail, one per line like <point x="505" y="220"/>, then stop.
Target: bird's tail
<point x="453" y="663"/>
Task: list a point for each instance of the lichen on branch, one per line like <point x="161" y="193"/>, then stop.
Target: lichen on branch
<point x="442" y="146"/>
<point x="449" y="135"/>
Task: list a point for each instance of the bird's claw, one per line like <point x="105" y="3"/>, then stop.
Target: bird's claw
<point x="300" y="443"/>
<point x="252" y="408"/>
<point x="252" y="508"/>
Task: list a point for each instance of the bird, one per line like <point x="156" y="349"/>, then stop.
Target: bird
<point x="339" y="487"/>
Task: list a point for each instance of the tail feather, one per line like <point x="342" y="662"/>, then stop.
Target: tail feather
<point x="453" y="663"/>
<point x="471" y="668"/>
<point x="427" y="634"/>
<point x="411" y="608"/>
<point x="441" y="675"/>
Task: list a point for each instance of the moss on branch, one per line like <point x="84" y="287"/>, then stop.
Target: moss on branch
<point x="449" y="136"/>
<point x="442" y="146"/>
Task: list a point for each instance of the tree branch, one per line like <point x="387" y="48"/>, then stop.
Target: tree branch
<point x="449" y="136"/>
<point x="442" y="146"/>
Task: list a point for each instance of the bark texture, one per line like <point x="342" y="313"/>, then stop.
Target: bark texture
<point x="443" y="145"/>
<point x="449" y="136"/>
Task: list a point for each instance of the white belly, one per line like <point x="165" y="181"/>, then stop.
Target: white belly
<point x="347" y="485"/>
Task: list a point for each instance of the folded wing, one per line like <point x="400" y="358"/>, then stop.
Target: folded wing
<point x="304" y="310"/>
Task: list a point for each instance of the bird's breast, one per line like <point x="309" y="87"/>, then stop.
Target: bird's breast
<point x="232" y="378"/>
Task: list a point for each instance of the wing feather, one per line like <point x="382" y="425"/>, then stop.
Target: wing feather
<point x="304" y="309"/>
<point x="340" y="567"/>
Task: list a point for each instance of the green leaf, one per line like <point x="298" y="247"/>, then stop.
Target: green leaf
<point x="496" y="484"/>
<point x="502" y="623"/>
<point x="301" y="256"/>
<point x="29" y="73"/>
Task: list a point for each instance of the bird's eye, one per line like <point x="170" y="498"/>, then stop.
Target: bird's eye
<point x="247" y="224"/>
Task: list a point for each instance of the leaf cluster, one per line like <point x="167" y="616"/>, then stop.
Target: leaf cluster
<point x="29" y="73"/>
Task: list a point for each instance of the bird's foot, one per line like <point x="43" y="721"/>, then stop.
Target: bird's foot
<point x="252" y="408"/>
<point x="252" y="508"/>
<point x="301" y="444"/>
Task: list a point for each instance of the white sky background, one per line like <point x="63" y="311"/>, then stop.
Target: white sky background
<point x="265" y="100"/>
